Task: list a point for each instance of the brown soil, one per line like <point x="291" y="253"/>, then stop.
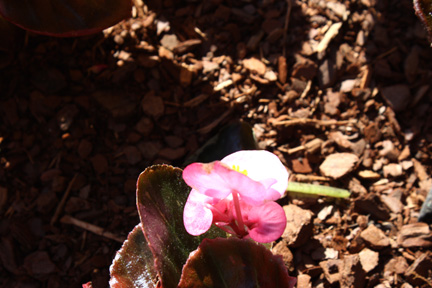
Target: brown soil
<point x="82" y="117"/>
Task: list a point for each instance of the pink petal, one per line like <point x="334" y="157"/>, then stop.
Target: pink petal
<point x="218" y="181"/>
<point x="197" y="219"/>
<point x="266" y="223"/>
<point x="252" y="192"/>
<point x="260" y="165"/>
<point x="208" y="180"/>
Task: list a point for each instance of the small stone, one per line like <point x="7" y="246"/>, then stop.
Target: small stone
<point x="169" y="41"/>
<point x="331" y="269"/>
<point x="370" y="203"/>
<point x="133" y="155"/>
<point x="186" y="76"/>
<point x="304" y="68"/>
<point x="368" y="259"/>
<point x="322" y="253"/>
<point x="393" y="170"/>
<point x="338" y="165"/>
<point x="76" y="204"/>
<point x="144" y="126"/>
<point x="372" y="133"/>
<point x="46" y="202"/>
<point x="149" y="149"/>
<point x="325" y="212"/>
<point x="100" y="163"/>
<point x="369" y="175"/>
<point x="340" y="139"/>
<point x="116" y="102"/>
<point x="174" y="141"/>
<point x="270" y="75"/>
<point x="304" y="281"/>
<point x="331" y="105"/>
<point x="415" y="235"/>
<point x="314" y="145"/>
<point x="375" y="237"/>
<point x="396" y="265"/>
<point x="407" y="164"/>
<point x="209" y="66"/>
<point x="299" y="226"/>
<point x="39" y="263"/>
<point x="254" y="64"/>
<point x="393" y="203"/>
<point x="352" y="274"/>
<point x="172" y="153"/>
<point x="287" y="257"/>
<point x="326" y="73"/>
<point x="398" y="96"/>
<point x="301" y="166"/>
<point x="389" y="151"/>
<point x="153" y="105"/>
<point x="348" y="85"/>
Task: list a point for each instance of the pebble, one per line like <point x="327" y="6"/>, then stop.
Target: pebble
<point x="398" y="96"/>
<point x="369" y="259"/>
<point x="133" y="155"/>
<point x="338" y="165"/>
<point x="375" y="237"/>
<point x="392" y="170"/>
<point x="415" y="235"/>
<point x="153" y="105"/>
<point x="254" y="64"/>
<point x="100" y="163"/>
<point x="299" y="226"/>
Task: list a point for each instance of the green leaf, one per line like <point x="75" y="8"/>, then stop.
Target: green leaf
<point x="231" y="138"/>
<point x="133" y="265"/>
<point x="236" y="263"/>
<point x="423" y="10"/>
<point x="65" y="18"/>
<point x="161" y="196"/>
<point x="320" y="190"/>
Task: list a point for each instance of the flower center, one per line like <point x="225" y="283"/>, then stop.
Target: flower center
<point x="237" y="168"/>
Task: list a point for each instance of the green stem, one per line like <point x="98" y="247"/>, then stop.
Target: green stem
<point x="317" y="190"/>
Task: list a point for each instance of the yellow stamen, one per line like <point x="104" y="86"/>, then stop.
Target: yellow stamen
<point x="237" y="168"/>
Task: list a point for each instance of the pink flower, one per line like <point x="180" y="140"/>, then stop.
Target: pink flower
<point x="237" y="194"/>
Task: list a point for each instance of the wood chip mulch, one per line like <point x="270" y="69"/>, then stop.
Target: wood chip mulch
<point x="339" y="90"/>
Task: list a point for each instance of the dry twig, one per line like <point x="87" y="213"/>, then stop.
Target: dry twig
<point x="307" y="121"/>
<point x="287" y="19"/>
<point x="92" y="228"/>
<point x="63" y="200"/>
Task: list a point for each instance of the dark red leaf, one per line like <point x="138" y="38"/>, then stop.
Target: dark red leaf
<point x="133" y="264"/>
<point x="65" y="18"/>
<point x="423" y="9"/>
<point x="236" y="263"/>
<point x="161" y="196"/>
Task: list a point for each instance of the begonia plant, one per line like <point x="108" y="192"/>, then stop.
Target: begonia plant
<point x="176" y="245"/>
<point x="204" y="226"/>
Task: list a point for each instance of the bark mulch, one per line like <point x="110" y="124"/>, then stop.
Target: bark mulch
<point x="339" y="90"/>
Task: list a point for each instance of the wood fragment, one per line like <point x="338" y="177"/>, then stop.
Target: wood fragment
<point x="92" y="228"/>
<point x="307" y="121"/>
<point x="287" y="20"/>
<point x="330" y="34"/>
<point x="310" y="178"/>
<point x="60" y="206"/>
